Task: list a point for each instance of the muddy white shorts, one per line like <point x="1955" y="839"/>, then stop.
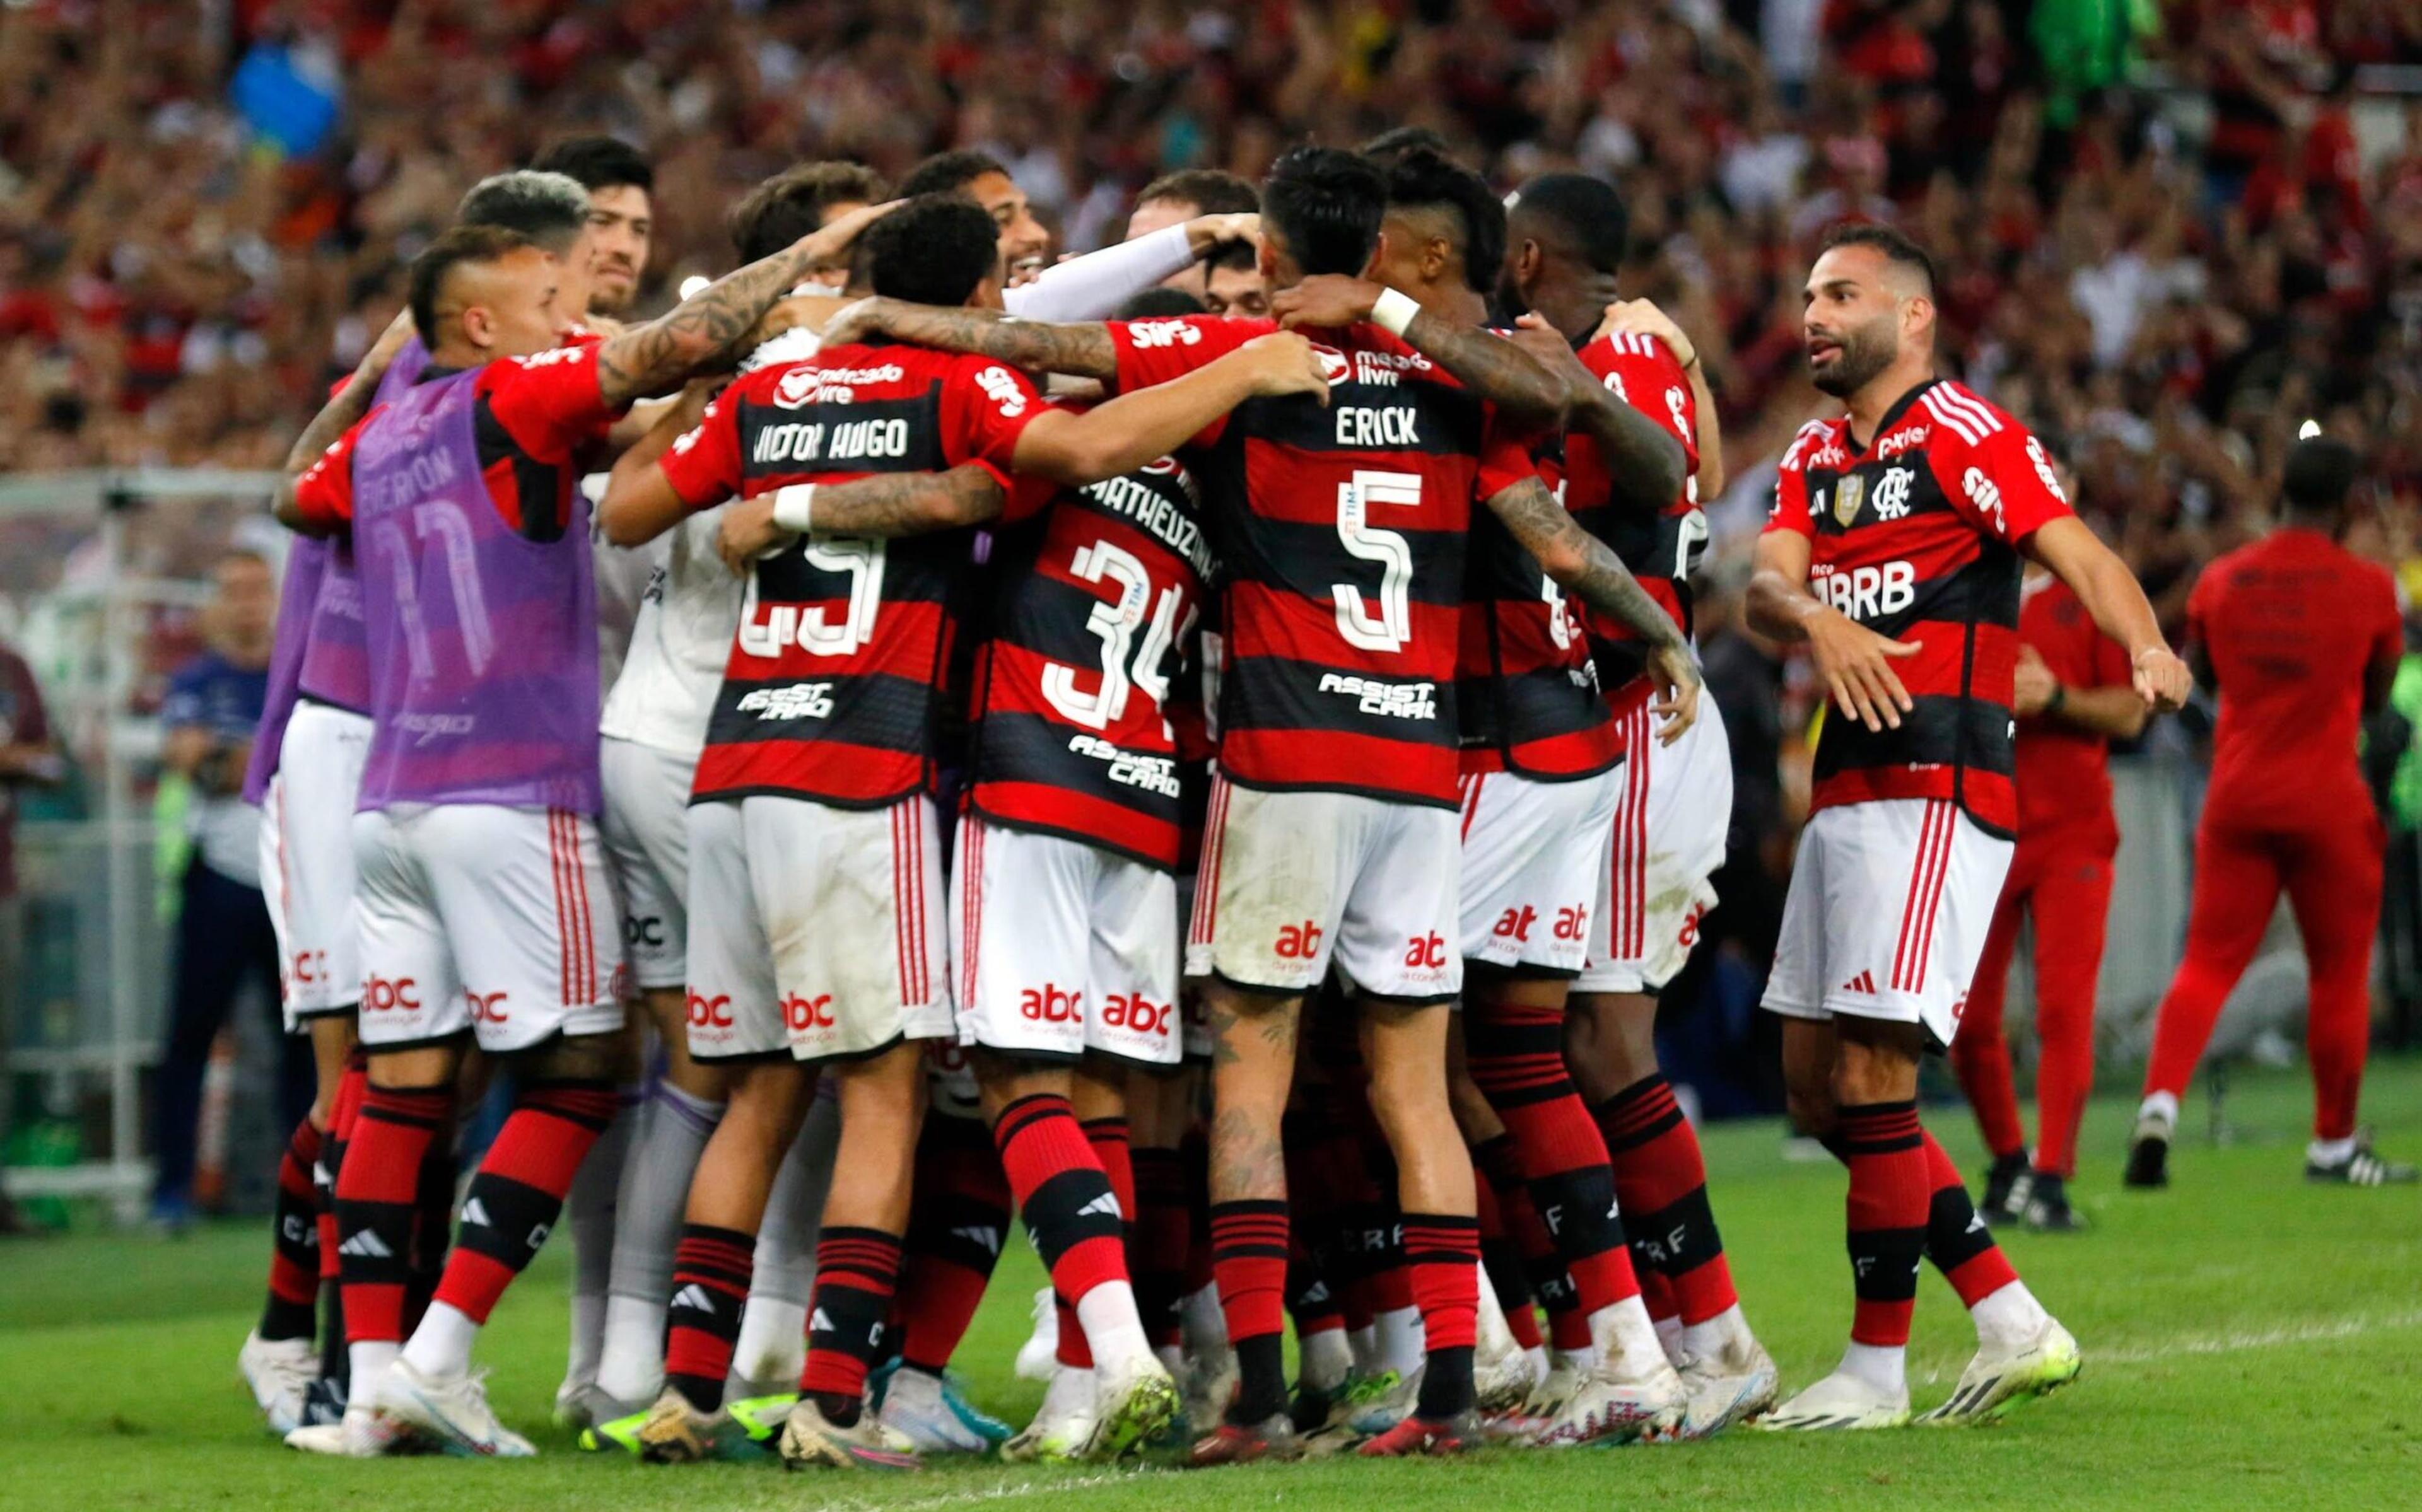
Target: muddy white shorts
<point x="1670" y="817"/>
<point x="1532" y="852"/>
<point x="1889" y="904"/>
<point x="306" y="861"/>
<point x="849" y="902"/>
<point x="1291" y="881"/>
<point x="1062" y="948"/>
<point x="498" y="921"/>
<point x="647" y="843"/>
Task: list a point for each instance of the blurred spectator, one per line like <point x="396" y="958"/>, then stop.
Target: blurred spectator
<point x="28" y="757"/>
<point x="224" y="940"/>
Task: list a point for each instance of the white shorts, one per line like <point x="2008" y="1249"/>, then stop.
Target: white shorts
<point x="849" y="902"/>
<point x="306" y="861"/>
<point x="498" y="921"/>
<point x="1291" y="881"/>
<point x="1062" y="948"/>
<point x="1533" y="853"/>
<point x="1670" y="821"/>
<point x="647" y="843"/>
<point x="1889" y="904"/>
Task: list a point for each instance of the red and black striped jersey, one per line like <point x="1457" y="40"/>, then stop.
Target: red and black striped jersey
<point x="1661" y="548"/>
<point x="1340" y="534"/>
<point x="1915" y="534"/>
<point x="835" y="678"/>
<point x="1093" y="601"/>
<point x="1525" y="689"/>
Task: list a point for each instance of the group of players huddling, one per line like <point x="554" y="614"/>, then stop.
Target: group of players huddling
<point x="1327" y="608"/>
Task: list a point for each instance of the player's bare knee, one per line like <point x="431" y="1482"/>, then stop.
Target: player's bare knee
<point x="1877" y="1061"/>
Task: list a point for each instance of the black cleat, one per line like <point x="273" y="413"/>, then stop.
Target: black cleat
<point x="2005" y="1187"/>
<point x="2048" y="1208"/>
<point x="2361" y="1168"/>
<point x="2148" y="1153"/>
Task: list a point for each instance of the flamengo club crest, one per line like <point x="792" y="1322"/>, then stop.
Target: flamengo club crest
<point x="1848" y="496"/>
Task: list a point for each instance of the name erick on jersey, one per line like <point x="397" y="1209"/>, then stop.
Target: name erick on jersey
<point x="837" y="674"/>
<point x="1662" y="547"/>
<point x="1915" y="534"/>
<point x="1340" y="535"/>
<point x="1095" y="601"/>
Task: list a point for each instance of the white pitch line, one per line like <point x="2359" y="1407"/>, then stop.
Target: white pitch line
<point x="1004" y="1491"/>
<point x="2344" y="1327"/>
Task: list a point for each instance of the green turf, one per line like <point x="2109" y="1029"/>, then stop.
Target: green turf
<point x="2249" y="1341"/>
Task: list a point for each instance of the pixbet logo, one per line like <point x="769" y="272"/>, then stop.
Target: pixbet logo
<point x="1137" y="1013"/>
<point x="1051" y="1005"/>
<point x="804" y="1013"/>
<point x="1298" y="942"/>
<point x="379" y="995"/>
<point x="710" y="1012"/>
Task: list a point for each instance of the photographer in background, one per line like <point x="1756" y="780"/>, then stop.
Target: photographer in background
<point x="222" y="933"/>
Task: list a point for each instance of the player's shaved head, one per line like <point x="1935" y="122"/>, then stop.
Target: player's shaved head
<point x="550" y="209"/>
<point x="483" y="292"/>
<point x="1440" y="200"/>
<point x="1574" y="216"/>
<point x="1906" y="266"/>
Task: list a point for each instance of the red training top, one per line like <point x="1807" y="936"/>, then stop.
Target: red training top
<point x="2063" y="771"/>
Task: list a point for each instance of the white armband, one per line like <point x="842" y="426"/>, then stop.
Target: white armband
<point x="795" y="507"/>
<point x="1393" y="310"/>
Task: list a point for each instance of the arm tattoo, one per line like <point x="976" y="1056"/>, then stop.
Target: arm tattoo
<point x="1643" y="458"/>
<point x="1586" y="568"/>
<point x="1492" y="367"/>
<point x="908" y="504"/>
<point x="343" y="411"/>
<point x="693" y="333"/>
<point x="1035" y="346"/>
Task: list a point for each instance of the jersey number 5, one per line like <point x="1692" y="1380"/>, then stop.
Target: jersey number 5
<point x="1393" y="629"/>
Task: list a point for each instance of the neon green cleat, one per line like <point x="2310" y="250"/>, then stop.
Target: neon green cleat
<point x="2000" y="1378"/>
<point x="1131" y="1405"/>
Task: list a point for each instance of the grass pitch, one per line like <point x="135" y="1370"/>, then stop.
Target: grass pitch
<point x="2250" y="1341"/>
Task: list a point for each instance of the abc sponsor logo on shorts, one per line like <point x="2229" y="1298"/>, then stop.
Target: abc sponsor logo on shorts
<point x="379" y="994"/>
<point x="1049" y="1004"/>
<point x="1515" y="924"/>
<point x="639" y="930"/>
<point x="308" y="966"/>
<point x="486" y="1007"/>
<point x="710" y="1012"/>
<point x="1136" y="1014"/>
<point x="806" y="1013"/>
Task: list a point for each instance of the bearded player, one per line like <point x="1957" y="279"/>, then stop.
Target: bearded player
<point x="1893" y="554"/>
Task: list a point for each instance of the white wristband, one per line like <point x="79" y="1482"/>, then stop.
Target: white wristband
<point x="795" y="507"/>
<point x="1393" y="310"/>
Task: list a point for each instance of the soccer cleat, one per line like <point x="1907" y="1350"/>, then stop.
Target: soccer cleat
<point x="1418" y="1438"/>
<point x="1501" y="1375"/>
<point x="2148" y="1153"/>
<point x="360" y="1434"/>
<point x="1721" y="1392"/>
<point x="325" y="1403"/>
<point x="451" y="1410"/>
<point x="674" y="1432"/>
<point x="1308" y="1407"/>
<point x="614" y="1433"/>
<point x="583" y="1406"/>
<point x="2006" y="1183"/>
<point x="2000" y="1376"/>
<point x="1039" y="1356"/>
<point x="1211" y="1380"/>
<point x="761" y="1416"/>
<point x="1132" y="1403"/>
<point x="1232" y="1444"/>
<point x="812" y="1439"/>
<point x="1382" y="1401"/>
<point x="1840" y="1402"/>
<point x="1618" y="1404"/>
<point x="1064" y="1423"/>
<point x="2047" y="1211"/>
<point x="915" y="1407"/>
<point x="2361" y="1168"/>
<point x="280" y="1373"/>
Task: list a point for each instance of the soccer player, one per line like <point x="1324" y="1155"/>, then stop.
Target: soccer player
<point x="1332" y="834"/>
<point x="620" y="183"/>
<point x="1189" y="194"/>
<point x="481" y="882"/>
<point x="2299" y="637"/>
<point x="820" y="750"/>
<point x="1893" y="554"/>
<point x="1540" y="758"/>
<point x="2073" y="697"/>
<point x="1565" y="243"/>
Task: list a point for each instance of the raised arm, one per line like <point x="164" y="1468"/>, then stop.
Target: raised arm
<point x="880" y="504"/>
<point x="1643" y="458"/>
<point x="1137" y="428"/>
<point x="1582" y="566"/>
<point x="1092" y="287"/>
<point x="707" y="327"/>
<point x="1031" y="346"/>
<point x="343" y="411"/>
<point x="2117" y="603"/>
<point x="1640" y="317"/>
<point x="1491" y="366"/>
<point x="639" y="503"/>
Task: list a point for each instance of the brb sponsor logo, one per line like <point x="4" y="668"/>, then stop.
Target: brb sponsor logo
<point x="1426" y="952"/>
<point x="1137" y="1014"/>
<point x="1050" y="1004"/>
<point x="379" y="994"/>
<point x="710" y="1012"/>
<point x="806" y="1014"/>
<point x="486" y="1007"/>
<point x="1866" y="593"/>
<point x="1298" y="942"/>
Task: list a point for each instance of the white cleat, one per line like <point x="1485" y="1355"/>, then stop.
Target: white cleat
<point x="1722" y="1390"/>
<point x="1840" y="1401"/>
<point x="914" y="1409"/>
<point x="2001" y="1376"/>
<point x="361" y="1434"/>
<point x="1134" y="1401"/>
<point x="280" y="1373"/>
<point x="1501" y="1372"/>
<point x="451" y="1410"/>
<point x="1038" y="1358"/>
<point x="1064" y="1423"/>
<point x="1618" y="1403"/>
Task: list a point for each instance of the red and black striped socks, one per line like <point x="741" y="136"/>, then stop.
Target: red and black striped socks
<point x="1889" y="1190"/>
<point x="857" y="1272"/>
<point x="1249" y="1255"/>
<point x="376" y="1195"/>
<point x="1661" y="1180"/>
<point x="958" y="1220"/>
<point x="711" y="1269"/>
<point x="1442" y="1253"/>
<point x="293" y="1308"/>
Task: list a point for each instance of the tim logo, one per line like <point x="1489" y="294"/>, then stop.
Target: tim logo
<point x="1051" y="1005"/>
<point x="710" y="1012"/>
<point x="1138" y="1013"/>
<point x="486" y="1007"/>
<point x="1426" y="952"/>
<point x="1298" y="942"/>
<point x="806" y="1013"/>
<point x="379" y="994"/>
